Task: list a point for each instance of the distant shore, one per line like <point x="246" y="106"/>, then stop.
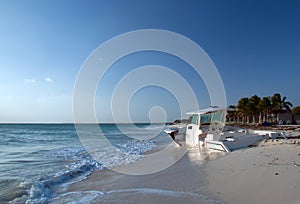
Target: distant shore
<point x="262" y="127"/>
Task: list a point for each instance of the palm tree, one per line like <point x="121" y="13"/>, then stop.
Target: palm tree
<point x="254" y="107"/>
<point x="265" y="107"/>
<point x="296" y="112"/>
<point x="243" y="108"/>
<point x="287" y="105"/>
<point x="280" y="104"/>
<point x="232" y="113"/>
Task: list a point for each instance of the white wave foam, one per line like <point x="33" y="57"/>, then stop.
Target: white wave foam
<point x="77" y="197"/>
<point x="79" y="164"/>
<point x="132" y="196"/>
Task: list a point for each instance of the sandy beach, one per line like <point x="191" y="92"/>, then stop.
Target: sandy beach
<point x="266" y="174"/>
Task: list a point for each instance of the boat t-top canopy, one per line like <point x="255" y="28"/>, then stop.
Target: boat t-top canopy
<point x="213" y="116"/>
<point x="211" y="109"/>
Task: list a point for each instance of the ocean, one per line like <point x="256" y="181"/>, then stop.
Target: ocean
<point x="38" y="161"/>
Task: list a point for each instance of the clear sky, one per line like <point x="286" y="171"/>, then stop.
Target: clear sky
<point x="255" y="45"/>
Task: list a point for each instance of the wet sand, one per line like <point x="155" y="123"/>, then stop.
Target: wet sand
<point x="182" y="182"/>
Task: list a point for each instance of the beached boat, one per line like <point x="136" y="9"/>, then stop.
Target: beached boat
<point x="207" y="130"/>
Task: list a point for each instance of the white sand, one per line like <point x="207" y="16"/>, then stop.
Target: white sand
<point x="267" y="174"/>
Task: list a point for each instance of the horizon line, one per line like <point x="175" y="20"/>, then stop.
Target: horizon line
<point x="72" y="123"/>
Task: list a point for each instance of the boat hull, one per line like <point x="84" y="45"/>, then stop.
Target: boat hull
<point x="234" y="143"/>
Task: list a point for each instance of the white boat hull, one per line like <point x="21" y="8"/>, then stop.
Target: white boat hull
<point x="234" y="143"/>
<point x="216" y="145"/>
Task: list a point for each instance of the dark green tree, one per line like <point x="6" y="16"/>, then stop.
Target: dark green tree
<point x="231" y="112"/>
<point x="255" y="108"/>
<point x="243" y="109"/>
<point x="296" y="110"/>
<point x="265" y="107"/>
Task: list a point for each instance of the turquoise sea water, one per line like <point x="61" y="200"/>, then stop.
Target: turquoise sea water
<point x="36" y="160"/>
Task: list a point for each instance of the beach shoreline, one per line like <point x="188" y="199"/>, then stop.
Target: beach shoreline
<point x="182" y="182"/>
<point x="269" y="173"/>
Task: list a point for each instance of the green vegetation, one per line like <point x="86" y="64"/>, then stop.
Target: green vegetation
<point x="258" y="110"/>
<point x="296" y="110"/>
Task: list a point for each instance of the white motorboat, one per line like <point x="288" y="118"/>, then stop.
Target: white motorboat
<point x="207" y="130"/>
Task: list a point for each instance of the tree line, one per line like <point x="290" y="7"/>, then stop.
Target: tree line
<point x="256" y="109"/>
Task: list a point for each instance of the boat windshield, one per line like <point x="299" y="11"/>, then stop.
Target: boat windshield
<point x="217" y="121"/>
<point x="214" y="122"/>
<point x="210" y="121"/>
<point x="195" y="119"/>
<point x="205" y="119"/>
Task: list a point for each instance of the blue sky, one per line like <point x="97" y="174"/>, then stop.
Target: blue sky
<point x="255" y="45"/>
